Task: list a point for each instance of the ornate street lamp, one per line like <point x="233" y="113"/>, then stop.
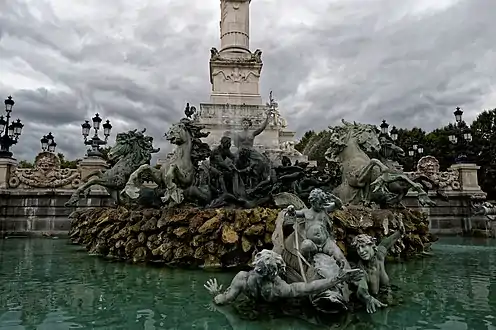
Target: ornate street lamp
<point x="460" y="136"/>
<point x="9" y="132"/>
<point x="416" y="153"/>
<point x="387" y="139"/>
<point x="95" y="142"/>
<point x="394" y="133"/>
<point x="385" y="131"/>
<point x="48" y="143"/>
<point x="384" y="128"/>
<point x="52" y="146"/>
<point x="44" y="143"/>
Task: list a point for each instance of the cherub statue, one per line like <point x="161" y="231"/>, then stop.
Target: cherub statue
<point x="372" y="259"/>
<point x="264" y="282"/>
<point x="318" y="235"/>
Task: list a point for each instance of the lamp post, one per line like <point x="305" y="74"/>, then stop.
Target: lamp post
<point x="95" y="142"/>
<point x="460" y="136"/>
<point x="9" y="132"/>
<point x="387" y="151"/>
<point x="48" y="143"/>
<point x="393" y="135"/>
<point x="416" y="153"/>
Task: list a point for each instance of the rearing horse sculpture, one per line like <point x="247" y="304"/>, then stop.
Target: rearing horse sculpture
<point x="178" y="174"/>
<point x="131" y="150"/>
<point x="364" y="180"/>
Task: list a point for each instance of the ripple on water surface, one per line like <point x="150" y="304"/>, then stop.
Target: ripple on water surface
<point x="51" y="285"/>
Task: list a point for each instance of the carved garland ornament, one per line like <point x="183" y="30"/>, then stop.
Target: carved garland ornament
<point x="45" y="174"/>
<point x="237" y="75"/>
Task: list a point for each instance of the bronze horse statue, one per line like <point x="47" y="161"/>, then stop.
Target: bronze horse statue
<point x="365" y="179"/>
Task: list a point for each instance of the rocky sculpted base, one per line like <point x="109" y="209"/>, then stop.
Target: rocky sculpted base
<point x="218" y="238"/>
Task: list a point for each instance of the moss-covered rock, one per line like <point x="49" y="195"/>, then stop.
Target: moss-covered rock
<point x="222" y="237"/>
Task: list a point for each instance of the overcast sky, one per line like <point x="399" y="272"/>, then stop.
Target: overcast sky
<point x="138" y="62"/>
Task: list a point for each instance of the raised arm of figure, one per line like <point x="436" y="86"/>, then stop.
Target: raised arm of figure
<point x="389" y="241"/>
<point x="371" y="303"/>
<point x="291" y="211"/>
<point x="237" y="286"/>
<point x="259" y="130"/>
<point x="303" y="289"/>
<point x="335" y="203"/>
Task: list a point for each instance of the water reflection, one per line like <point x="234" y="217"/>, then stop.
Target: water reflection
<point x="48" y="284"/>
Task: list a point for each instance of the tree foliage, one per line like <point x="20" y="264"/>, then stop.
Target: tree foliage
<point x="25" y="164"/>
<point x="300" y="146"/>
<point x="484" y="150"/>
<point x="64" y="163"/>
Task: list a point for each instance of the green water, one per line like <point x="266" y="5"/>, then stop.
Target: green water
<point x="52" y="285"/>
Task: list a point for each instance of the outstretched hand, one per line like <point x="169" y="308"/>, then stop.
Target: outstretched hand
<point x="351" y="275"/>
<point x="213" y="287"/>
<point x="373" y="304"/>
<point x="290" y="210"/>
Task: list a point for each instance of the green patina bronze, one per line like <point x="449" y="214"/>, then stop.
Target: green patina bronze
<point x="365" y="179"/>
<point x="131" y="150"/>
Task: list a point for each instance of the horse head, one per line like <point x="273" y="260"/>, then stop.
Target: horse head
<point x="366" y="137"/>
<point x="178" y="134"/>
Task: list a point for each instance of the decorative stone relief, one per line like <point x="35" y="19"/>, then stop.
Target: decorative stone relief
<point x="288" y="147"/>
<point x="236" y="75"/>
<point x="45" y="174"/>
<point x="429" y="166"/>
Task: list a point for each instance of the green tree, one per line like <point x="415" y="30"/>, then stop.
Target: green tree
<point x="300" y="146"/>
<point x="483" y="149"/>
<point x="406" y="139"/>
<point x="316" y="147"/>
<point x="25" y="164"/>
<point x="64" y="163"/>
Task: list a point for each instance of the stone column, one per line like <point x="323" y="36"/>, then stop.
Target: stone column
<point x="6" y="165"/>
<point x="90" y="165"/>
<point x="235" y="26"/>
<point x="468" y="176"/>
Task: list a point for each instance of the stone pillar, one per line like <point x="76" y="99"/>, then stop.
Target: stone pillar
<point x="6" y="165"/>
<point x="235" y="26"/>
<point x="468" y="176"/>
<point x="90" y="165"/>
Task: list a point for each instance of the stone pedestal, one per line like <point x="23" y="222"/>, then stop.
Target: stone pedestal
<point x="88" y="167"/>
<point x="6" y="165"/>
<point x="468" y="176"/>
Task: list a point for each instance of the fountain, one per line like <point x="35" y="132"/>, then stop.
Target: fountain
<point x="216" y="209"/>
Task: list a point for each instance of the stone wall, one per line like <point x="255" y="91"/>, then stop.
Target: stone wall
<point x="41" y="211"/>
<point x="460" y="184"/>
<point x="32" y="199"/>
<point x="452" y="217"/>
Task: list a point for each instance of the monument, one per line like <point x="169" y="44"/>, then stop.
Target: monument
<point x="235" y="97"/>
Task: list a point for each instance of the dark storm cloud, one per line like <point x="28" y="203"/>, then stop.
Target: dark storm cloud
<point x="138" y="63"/>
